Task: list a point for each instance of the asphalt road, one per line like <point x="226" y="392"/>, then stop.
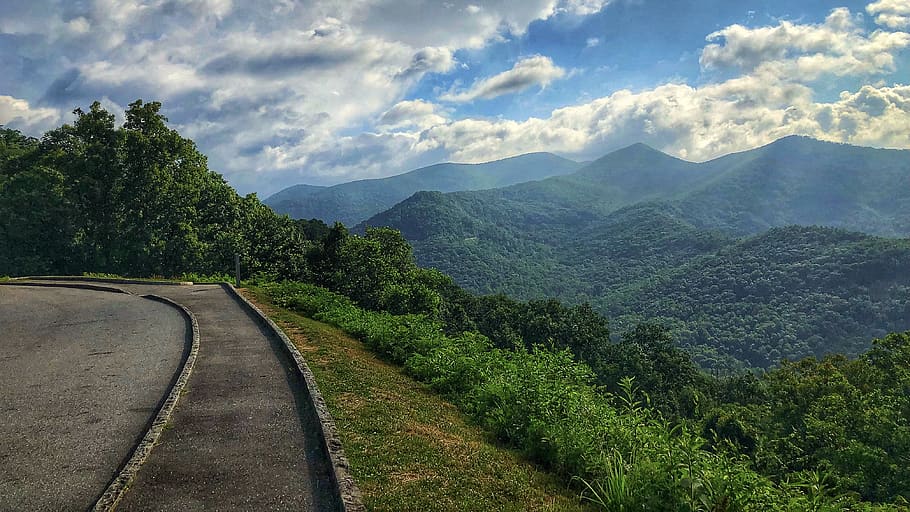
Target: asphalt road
<point x="81" y="375"/>
<point x="244" y="436"/>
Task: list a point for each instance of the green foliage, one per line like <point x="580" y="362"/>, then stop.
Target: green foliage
<point x="786" y="294"/>
<point x="193" y="277"/>
<point x="136" y="200"/>
<point x="546" y="404"/>
<point x="377" y="271"/>
<point x="645" y="237"/>
<point x="851" y="417"/>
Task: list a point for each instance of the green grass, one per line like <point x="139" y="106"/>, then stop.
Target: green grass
<point x="409" y="449"/>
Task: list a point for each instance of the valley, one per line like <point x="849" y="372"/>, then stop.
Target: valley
<point x="705" y="249"/>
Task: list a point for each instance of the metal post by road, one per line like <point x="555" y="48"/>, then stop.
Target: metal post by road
<point x="237" y="270"/>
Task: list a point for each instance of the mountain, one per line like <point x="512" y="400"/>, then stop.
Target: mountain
<point x="295" y="192"/>
<point x="798" y="180"/>
<point x="356" y="201"/>
<point x="613" y="231"/>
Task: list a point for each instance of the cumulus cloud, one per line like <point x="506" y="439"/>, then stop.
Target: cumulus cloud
<point x="693" y="123"/>
<point x="806" y="52"/>
<point x="430" y="59"/>
<point x="527" y="72"/>
<point x="414" y="113"/>
<point x="584" y="7"/>
<point x="260" y="84"/>
<point x="890" y="13"/>
<point x="18" y="114"/>
<point x="769" y="95"/>
<point x="278" y="92"/>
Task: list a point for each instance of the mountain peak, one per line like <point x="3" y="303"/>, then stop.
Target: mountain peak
<point x="637" y="155"/>
<point x="356" y="201"/>
<point x="803" y="141"/>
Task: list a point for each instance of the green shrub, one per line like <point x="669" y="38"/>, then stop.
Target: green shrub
<point x="546" y="404"/>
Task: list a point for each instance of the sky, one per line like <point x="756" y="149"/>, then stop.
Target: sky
<point x="280" y="92"/>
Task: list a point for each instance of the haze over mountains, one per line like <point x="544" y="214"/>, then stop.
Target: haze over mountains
<point x="357" y="201"/>
<point x="644" y="235"/>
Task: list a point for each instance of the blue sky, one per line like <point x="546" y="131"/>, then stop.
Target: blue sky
<point x="279" y="92"/>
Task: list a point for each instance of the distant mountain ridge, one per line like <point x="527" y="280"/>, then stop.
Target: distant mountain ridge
<point x="614" y="230"/>
<point x="793" y="181"/>
<point x="357" y="201"/>
<point x="295" y="192"/>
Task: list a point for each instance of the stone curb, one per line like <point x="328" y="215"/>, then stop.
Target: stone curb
<point x="345" y="486"/>
<point x="93" y="287"/>
<point x="102" y="280"/>
<point x="115" y="490"/>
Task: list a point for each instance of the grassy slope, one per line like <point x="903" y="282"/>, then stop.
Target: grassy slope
<point x="408" y="448"/>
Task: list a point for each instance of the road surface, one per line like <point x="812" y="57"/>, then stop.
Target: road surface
<point x="81" y="375"/>
<point x="244" y="436"/>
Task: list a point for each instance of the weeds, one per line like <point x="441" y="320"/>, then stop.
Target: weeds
<point x="543" y="402"/>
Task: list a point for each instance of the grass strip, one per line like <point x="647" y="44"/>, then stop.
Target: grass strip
<point x="409" y="449"/>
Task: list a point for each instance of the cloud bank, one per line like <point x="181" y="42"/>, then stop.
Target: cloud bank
<point x="280" y="92"/>
<point x="891" y="13"/>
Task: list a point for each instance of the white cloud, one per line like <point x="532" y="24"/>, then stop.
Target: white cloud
<point x="253" y="80"/>
<point x="584" y="7"/>
<point x="694" y="123"/>
<point x="273" y="89"/>
<point x="430" y="59"/>
<point x="592" y="42"/>
<point x="890" y="13"/>
<point x="527" y="72"/>
<point x="805" y="52"/>
<point x="292" y="90"/>
<point x="413" y="113"/>
<point x="452" y="24"/>
<point x="18" y="114"/>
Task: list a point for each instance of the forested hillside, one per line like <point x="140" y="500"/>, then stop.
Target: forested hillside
<point x="354" y="202"/>
<point x="788" y="293"/>
<point x="642" y="235"/>
<point x="802" y="181"/>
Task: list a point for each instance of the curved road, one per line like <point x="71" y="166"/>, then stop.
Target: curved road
<point x="81" y="375"/>
<point x="245" y="435"/>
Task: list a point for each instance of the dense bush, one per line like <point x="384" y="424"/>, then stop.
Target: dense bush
<point x="547" y="404"/>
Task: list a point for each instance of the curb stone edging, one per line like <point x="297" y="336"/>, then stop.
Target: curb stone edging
<point x="118" y="486"/>
<point x="102" y="280"/>
<point x="345" y="486"/>
<point x="78" y="286"/>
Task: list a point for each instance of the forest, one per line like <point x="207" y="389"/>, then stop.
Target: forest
<point x="628" y="418"/>
<point x="710" y="250"/>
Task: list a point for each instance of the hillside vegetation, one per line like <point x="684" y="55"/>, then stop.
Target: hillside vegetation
<point x="438" y="459"/>
<point x="354" y="202"/>
<point x="641" y="235"/>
